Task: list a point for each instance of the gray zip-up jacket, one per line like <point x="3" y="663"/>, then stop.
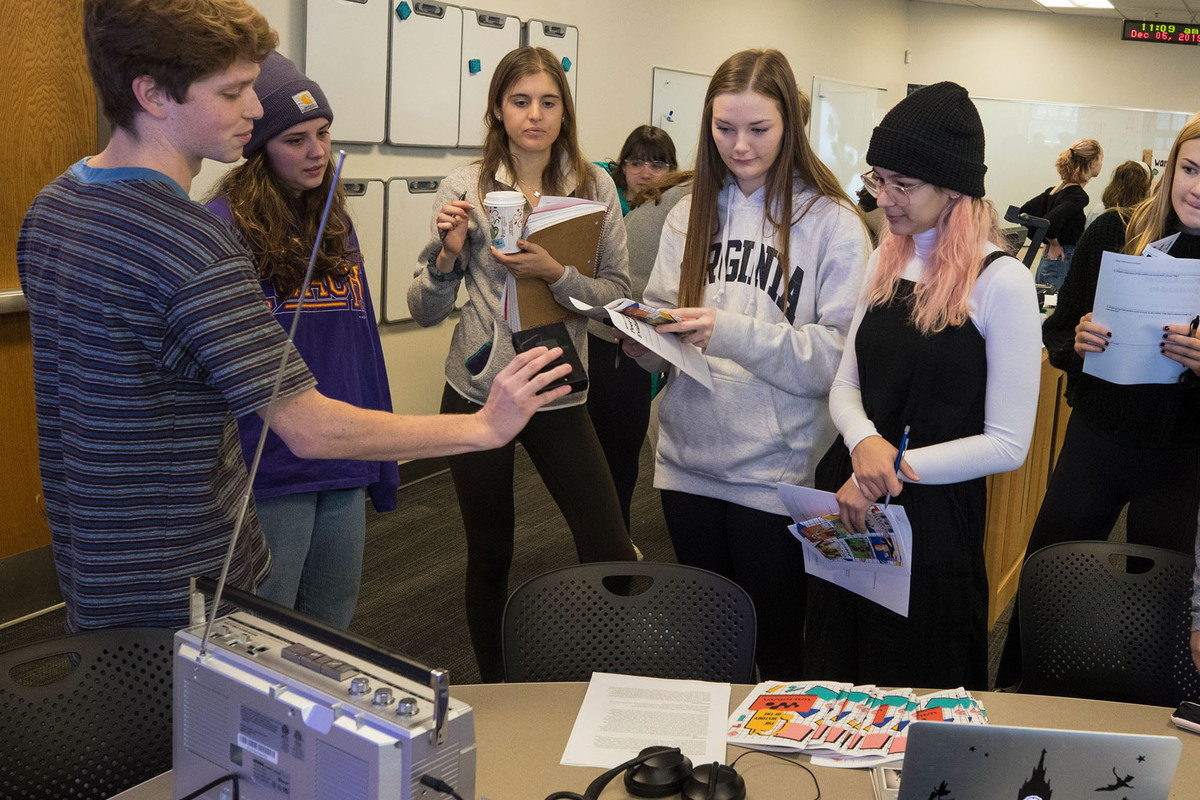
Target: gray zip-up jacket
<point x="481" y="319"/>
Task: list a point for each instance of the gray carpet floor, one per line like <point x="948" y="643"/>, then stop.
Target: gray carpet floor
<point x="415" y="560"/>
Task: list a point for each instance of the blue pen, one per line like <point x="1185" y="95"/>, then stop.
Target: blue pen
<point x="899" y="456"/>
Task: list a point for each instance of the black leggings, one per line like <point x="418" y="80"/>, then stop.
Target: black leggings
<point x="1093" y="480"/>
<point x="755" y="550"/>
<point x="619" y="406"/>
<point x="563" y="448"/>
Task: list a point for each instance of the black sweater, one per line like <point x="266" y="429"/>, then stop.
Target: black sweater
<point x="1143" y="414"/>
<point x="1064" y="209"/>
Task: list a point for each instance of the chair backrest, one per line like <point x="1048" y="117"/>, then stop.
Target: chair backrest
<point x="86" y="715"/>
<point x="1109" y="621"/>
<point x="687" y="624"/>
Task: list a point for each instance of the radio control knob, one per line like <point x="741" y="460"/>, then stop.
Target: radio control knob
<point x="406" y="706"/>
<point x="383" y="697"/>
<point x="359" y="686"/>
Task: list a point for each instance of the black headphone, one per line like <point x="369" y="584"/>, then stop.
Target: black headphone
<point x="663" y="771"/>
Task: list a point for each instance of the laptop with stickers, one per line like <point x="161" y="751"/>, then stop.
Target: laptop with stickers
<point x="993" y="762"/>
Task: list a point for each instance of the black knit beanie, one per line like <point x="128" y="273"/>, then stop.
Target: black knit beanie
<point x="934" y="135"/>
<point x="288" y="98"/>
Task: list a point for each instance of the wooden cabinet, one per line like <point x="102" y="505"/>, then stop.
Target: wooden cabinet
<point x="1015" y="497"/>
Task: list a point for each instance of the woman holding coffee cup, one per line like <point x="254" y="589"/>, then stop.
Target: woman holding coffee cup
<point x="532" y="148"/>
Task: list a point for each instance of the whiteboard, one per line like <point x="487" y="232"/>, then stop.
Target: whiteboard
<point x="346" y="51"/>
<point x="426" y="49"/>
<point x="1024" y="138"/>
<point x="486" y="38"/>
<point x="560" y="39"/>
<point x="676" y="106"/>
<point x="365" y="203"/>
<point x="409" y="211"/>
<point x="843" y="117"/>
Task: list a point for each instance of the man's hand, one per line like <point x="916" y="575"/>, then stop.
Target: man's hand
<point x="514" y="396"/>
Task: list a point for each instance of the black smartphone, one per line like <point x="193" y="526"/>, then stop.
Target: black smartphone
<point x="554" y="335"/>
<point x="1187" y="716"/>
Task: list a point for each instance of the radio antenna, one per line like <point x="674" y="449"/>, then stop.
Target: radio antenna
<point x="270" y="412"/>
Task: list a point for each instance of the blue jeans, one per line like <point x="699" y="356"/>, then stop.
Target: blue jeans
<point x="316" y="542"/>
<point x="1053" y="271"/>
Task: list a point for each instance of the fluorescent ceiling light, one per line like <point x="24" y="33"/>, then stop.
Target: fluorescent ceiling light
<point x="1075" y="3"/>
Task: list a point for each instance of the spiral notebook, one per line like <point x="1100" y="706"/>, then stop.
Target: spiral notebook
<point x="572" y="241"/>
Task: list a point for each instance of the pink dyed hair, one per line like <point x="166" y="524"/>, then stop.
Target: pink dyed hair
<point x="964" y="227"/>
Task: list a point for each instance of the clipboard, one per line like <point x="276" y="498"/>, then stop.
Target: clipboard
<point x="574" y="242"/>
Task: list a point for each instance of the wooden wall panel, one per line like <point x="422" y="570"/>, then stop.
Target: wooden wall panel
<point x="1015" y="497"/>
<point x="50" y="121"/>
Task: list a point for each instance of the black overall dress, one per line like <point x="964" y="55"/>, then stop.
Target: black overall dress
<point x="936" y="385"/>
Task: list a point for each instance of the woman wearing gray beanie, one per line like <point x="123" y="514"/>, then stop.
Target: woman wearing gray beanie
<point x="313" y="512"/>
<point x="944" y="350"/>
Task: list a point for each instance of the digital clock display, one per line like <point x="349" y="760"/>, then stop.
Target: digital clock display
<point x="1161" y="32"/>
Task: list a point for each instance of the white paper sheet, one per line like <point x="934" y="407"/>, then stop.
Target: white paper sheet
<point x="685" y="356"/>
<point x="886" y="585"/>
<point x="1135" y="297"/>
<point x="622" y="714"/>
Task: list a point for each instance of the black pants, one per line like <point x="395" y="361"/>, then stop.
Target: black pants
<point x="619" y="406"/>
<point x="755" y="550"/>
<point x="563" y="448"/>
<point x="1093" y="480"/>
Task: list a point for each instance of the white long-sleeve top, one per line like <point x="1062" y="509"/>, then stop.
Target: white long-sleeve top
<point x="1003" y="307"/>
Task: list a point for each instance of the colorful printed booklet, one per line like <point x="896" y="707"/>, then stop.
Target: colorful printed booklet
<point x="841" y="725"/>
<point x="876" y="564"/>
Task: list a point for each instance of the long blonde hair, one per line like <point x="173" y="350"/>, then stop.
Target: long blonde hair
<point x="1074" y="164"/>
<point x="941" y="300"/>
<point x="518" y="64"/>
<point x="1154" y="215"/>
<point x="768" y="73"/>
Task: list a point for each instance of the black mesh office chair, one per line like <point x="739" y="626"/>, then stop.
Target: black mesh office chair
<point x="632" y="618"/>
<point x="1109" y="621"/>
<point x="87" y="715"/>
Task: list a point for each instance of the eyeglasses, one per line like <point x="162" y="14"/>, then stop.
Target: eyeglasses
<point x="898" y="192"/>
<point x="655" y="166"/>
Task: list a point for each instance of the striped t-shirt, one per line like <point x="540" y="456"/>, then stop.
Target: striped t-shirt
<point x="150" y="335"/>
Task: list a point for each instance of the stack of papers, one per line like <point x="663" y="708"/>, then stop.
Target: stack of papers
<point x="876" y="565"/>
<point x="841" y="725"/>
<point x="638" y="322"/>
<point x="1135" y="297"/>
<point x="552" y="210"/>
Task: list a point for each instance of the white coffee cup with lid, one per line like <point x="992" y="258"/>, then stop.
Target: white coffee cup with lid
<point x="506" y="216"/>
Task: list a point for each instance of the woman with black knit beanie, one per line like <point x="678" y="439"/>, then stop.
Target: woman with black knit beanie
<point x="944" y="345"/>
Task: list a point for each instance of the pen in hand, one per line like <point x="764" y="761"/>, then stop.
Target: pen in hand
<point x="1193" y="325"/>
<point x="442" y="233"/>
<point x="899" y="455"/>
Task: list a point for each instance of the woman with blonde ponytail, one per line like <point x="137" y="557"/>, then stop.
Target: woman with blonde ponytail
<point x="1063" y="206"/>
<point x="944" y="348"/>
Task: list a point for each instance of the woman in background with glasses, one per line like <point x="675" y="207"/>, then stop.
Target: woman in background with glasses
<point x="619" y="391"/>
<point x="647" y="155"/>
<point x="944" y="343"/>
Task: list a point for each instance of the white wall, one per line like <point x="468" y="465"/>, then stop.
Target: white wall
<point x="1048" y="57"/>
<point x="620" y="41"/>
